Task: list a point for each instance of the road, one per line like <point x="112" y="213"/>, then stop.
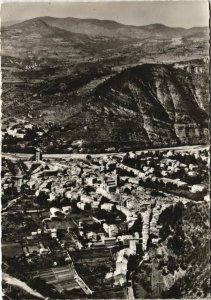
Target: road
<point x="130" y="293"/>
<point x="83" y="156"/>
<point x="10" y="203"/>
<point x="83" y="286"/>
<point x="14" y="281"/>
<point x="78" y="279"/>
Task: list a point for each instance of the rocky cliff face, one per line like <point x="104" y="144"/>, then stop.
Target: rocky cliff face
<point x="153" y="105"/>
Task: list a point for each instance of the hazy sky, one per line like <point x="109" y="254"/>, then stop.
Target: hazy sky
<point x="171" y="13"/>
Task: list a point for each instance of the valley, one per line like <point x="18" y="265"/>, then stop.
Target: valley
<point x="59" y="73"/>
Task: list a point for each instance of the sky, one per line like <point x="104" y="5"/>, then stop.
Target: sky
<point x="171" y="13"/>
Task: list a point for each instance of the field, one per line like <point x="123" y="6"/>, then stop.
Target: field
<point x="62" y="278"/>
<point x="11" y="249"/>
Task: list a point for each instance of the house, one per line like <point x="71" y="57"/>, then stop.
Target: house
<point x="53" y="233"/>
<point x="192" y="167"/>
<point x="51" y="197"/>
<point x="92" y="235"/>
<point x="112" y="229"/>
<point x="130" y="216"/>
<point x="28" y="126"/>
<point x="121" y="264"/>
<point x="81" y="205"/>
<point x="20" y="135"/>
<point x="44" y="250"/>
<point x="91" y="180"/>
<point x="86" y="199"/>
<point x="132" y="155"/>
<point x="38" y="155"/>
<point x="169" y="153"/>
<point x="11" y="131"/>
<point x="207" y="198"/>
<point x="18" y="181"/>
<point x="134" y="180"/>
<point x="110" y="184"/>
<point x="197" y="188"/>
<point x="155" y="241"/>
<point x="107" y="206"/>
<point x="132" y="245"/>
<point x="56" y="212"/>
<point x="95" y="204"/>
<point x="40" y="133"/>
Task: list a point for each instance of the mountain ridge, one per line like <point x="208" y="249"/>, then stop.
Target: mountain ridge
<point x="105" y="20"/>
<point x="110" y="28"/>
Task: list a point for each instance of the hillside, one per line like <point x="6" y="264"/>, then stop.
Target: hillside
<point x="160" y="100"/>
<point x="146" y="106"/>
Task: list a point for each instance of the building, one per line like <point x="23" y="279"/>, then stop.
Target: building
<point x="95" y="204"/>
<point x="107" y="206"/>
<point x="132" y="245"/>
<point x="38" y="155"/>
<point x="111" y="230"/>
<point x="197" y="188"/>
<point x="81" y="205"/>
<point x="86" y="199"/>
<point x="92" y="235"/>
<point x="18" y="181"/>
<point x="91" y="180"/>
<point x="109" y="241"/>
<point x="110" y="184"/>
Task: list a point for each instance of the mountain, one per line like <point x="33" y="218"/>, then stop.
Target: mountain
<point x="36" y="36"/>
<point x="95" y="27"/>
<point x="39" y="28"/>
<point x="68" y="41"/>
<point x="106" y="28"/>
<point x="152" y="105"/>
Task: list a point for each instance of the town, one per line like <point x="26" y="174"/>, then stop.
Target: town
<point x="82" y="227"/>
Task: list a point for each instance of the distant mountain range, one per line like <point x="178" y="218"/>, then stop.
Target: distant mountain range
<point x="108" y="28"/>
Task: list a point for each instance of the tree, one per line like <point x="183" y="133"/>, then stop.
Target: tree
<point x="62" y="86"/>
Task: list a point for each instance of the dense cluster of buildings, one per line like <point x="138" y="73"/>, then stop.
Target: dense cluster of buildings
<point x="95" y="203"/>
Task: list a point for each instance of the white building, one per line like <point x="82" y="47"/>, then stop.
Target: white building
<point x="81" y="205"/>
<point x="107" y="206"/>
